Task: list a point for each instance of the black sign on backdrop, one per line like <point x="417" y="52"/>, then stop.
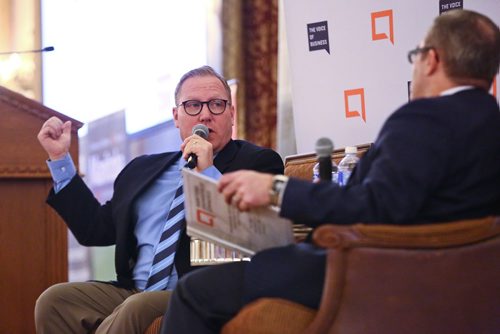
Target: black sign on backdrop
<point x="318" y="36"/>
<point x="409" y="90"/>
<point x="446" y="5"/>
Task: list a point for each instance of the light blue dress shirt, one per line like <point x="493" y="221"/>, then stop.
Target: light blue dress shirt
<point x="150" y="211"/>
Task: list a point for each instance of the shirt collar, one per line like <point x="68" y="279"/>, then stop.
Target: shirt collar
<point x="454" y="90"/>
<point x="180" y="163"/>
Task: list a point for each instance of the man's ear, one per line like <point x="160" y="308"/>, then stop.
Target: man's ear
<point x="232" y="110"/>
<point x="175" y="113"/>
<point x="432" y="62"/>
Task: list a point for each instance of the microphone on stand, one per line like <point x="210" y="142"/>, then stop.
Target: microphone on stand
<point x="45" y="49"/>
<point x="324" y="149"/>
<point x="202" y="131"/>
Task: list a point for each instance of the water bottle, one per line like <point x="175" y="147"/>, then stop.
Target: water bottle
<point x="334" y="172"/>
<point x="347" y="164"/>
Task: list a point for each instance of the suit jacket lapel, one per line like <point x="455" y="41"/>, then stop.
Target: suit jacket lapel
<point x="224" y="158"/>
<point x="150" y="172"/>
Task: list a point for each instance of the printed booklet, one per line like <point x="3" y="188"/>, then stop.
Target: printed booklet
<point x="210" y="218"/>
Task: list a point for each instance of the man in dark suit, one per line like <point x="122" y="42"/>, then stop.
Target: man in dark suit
<point x="436" y="159"/>
<point x="134" y="218"/>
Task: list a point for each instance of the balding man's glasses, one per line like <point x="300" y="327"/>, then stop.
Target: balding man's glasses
<point x="413" y="53"/>
<point x="193" y="107"/>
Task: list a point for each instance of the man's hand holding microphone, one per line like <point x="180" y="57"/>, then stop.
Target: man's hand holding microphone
<point x="197" y="150"/>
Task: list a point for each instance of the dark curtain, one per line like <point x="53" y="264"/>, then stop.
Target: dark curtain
<point x="250" y="47"/>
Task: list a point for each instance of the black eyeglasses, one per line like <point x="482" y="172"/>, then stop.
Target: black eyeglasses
<point x="413" y="53"/>
<point x="194" y="107"/>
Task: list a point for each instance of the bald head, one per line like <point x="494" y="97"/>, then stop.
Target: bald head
<point x="468" y="44"/>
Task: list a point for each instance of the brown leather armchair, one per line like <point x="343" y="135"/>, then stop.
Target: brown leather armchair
<point x="440" y="278"/>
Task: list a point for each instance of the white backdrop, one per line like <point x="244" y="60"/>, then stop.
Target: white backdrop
<point x="367" y="62"/>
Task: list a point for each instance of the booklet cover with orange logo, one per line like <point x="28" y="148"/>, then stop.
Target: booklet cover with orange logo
<point x="210" y="218"/>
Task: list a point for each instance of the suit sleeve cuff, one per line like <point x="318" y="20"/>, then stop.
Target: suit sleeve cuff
<point x="62" y="171"/>
<point x="212" y="172"/>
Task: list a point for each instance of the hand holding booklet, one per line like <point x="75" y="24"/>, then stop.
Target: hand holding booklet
<point x="210" y="218"/>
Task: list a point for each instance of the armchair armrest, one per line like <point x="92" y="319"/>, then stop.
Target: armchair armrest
<point x="341" y="240"/>
<point x="418" y="236"/>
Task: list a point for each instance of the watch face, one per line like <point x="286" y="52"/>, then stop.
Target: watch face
<point x="278" y="184"/>
<point x="277" y="187"/>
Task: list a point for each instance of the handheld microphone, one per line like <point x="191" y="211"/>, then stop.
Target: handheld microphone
<point x="202" y="131"/>
<point x="324" y="149"/>
<point x="45" y="49"/>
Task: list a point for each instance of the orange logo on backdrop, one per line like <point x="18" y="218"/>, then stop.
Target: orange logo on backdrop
<point x="382" y="35"/>
<point x="355" y="113"/>
<point x="205" y="217"/>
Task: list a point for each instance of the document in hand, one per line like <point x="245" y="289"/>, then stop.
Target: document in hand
<point x="210" y="218"/>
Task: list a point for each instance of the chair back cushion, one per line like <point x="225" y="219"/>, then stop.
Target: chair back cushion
<point x="301" y="165"/>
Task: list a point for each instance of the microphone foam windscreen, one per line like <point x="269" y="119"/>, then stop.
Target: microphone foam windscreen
<point x="200" y="130"/>
<point x="324" y="147"/>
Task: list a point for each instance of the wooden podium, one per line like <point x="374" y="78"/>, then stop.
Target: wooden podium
<point x="33" y="239"/>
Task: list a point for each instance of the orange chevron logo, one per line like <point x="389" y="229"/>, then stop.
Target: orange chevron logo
<point x="358" y="93"/>
<point x="385" y="14"/>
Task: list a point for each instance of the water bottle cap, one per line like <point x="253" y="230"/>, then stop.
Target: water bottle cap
<point x="351" y="149"/>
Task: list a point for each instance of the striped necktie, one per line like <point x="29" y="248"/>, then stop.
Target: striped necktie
<point x="163" y="260"/>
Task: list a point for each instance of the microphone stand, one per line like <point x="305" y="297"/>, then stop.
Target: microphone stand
<point x="45" y="49"/>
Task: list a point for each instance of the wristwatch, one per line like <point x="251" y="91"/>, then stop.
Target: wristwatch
<point x="277" y="189"/>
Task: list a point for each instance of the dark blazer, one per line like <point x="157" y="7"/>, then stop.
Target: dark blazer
<point x="94" y="224"/>
<point x="434" y="160"/>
